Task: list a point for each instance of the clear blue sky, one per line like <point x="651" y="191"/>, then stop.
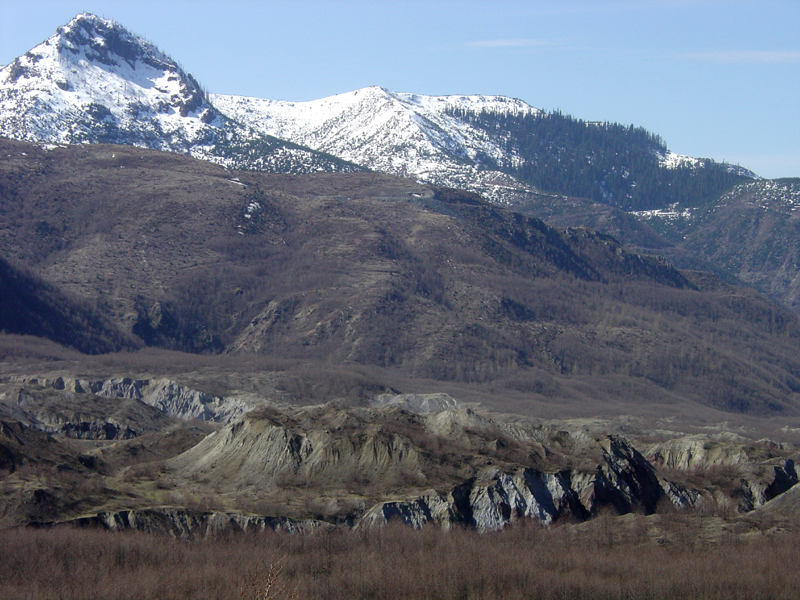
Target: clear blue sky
<point x="714" y="78"/>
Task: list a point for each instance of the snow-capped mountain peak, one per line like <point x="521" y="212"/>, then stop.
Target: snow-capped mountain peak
<point x="106" y="41"/>
<point x="411" y="135"/>
<point x="94" y="81"/>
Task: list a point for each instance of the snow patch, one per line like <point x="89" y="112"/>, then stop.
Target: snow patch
<point x="670" y="160"/>
<point x="670" y="213"/>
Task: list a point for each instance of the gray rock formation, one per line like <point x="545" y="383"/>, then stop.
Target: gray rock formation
<point x="418" y="403"/>
<point x="166" y="395"/>
<point x="762" y="472"/>
<point x="417" y="459"/>
<point x="393" y="453"/>
<point x="624" y="481"/>
<point x="184" y="523"/>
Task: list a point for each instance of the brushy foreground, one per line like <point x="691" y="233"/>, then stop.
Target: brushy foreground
<point x="397" y="563"/>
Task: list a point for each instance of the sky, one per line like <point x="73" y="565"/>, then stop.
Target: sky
<point x="714" y="78"/>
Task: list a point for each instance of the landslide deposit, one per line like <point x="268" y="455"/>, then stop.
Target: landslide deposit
<point x="121" y="453"/>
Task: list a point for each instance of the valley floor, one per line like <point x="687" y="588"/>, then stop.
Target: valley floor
<point x="657" y="557"/>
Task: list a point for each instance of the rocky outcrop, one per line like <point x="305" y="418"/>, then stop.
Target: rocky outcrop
<point x="694" y="451"/>
<point x="418" y="403"/>
<point x="759" y="470"/>
<point x="94" y="430"/>
<point x="48" y="406"/>
<point x="786" y="504"/>
<point x="170" y="397"/>
<point x="166" y="395"/>
<point x="184" y="523"/>
<point x="624" y="481"/>
<point x="417" y="459"/>
<point x="785" y="479"/>
<point x="186" y="403"/>
<point x="338" y="449"/>
<point x="392" y="453"/>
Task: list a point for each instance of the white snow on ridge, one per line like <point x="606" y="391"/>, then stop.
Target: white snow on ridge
<point x="93" y="81"/>
<point x="767" y="194"/>
<point x="410" y="135"/>
<point x="474" y="103"/>
<point x="49" y="93"/>
<point x="674" y="161"/>
<point x="670" y="213"/>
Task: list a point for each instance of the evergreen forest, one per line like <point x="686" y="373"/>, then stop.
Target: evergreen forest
<point x="618" y="165"/>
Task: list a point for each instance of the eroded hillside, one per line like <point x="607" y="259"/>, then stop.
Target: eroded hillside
<point x="379" y="271"/>
<point x="130" y="453"/>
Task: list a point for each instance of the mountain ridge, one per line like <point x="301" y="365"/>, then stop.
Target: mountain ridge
<point x="750" y="231"/>
<point x="95" y="82"/>
<point x="483" y="144"/>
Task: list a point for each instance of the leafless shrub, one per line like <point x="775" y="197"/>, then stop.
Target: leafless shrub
<point x="653" y="557"/>
<point x="268" y="582"/>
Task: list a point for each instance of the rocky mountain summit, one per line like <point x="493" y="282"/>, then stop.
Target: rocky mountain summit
<point x="95" y="82"/>
<point x="495" y="146"/>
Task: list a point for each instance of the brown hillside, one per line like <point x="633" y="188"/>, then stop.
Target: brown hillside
<point x="371" y="269"/>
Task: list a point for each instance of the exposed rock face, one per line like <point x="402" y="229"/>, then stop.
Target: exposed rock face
<point x="698" y="450"/>
<point x="166" y="395"/>
<point x="624" y="481"/>
<point x="47" y="405"/>
<point x="96" y="430"/>
<point x="176" y="400"/>
<point x="787" y="503"/>
<point x="184" y="523"/>
<point x="785" y="478"/>
<point x="762" y="472"/>
<point x="417" y="459"/>
<point x="418" y="403"/>
<point x="268" y="452"/>
<point x="392" y="453"/>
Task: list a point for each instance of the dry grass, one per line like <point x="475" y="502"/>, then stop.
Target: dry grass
<point x="393" y="563"/>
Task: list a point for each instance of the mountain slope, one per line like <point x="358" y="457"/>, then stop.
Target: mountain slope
<point x="95" y="82"/>
<point x="751" y="232"/>
<point x="374" y="270"/>
<point x="499" y="147"/>
<point x="409" y="135"/>
<point x="623" y="166"/>
<point x="29" y="306"/>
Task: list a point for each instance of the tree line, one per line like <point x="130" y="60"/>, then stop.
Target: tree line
<point x="615" y="164"/>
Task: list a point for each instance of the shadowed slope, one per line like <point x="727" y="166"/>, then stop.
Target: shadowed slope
<point x="371" y="269"/>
